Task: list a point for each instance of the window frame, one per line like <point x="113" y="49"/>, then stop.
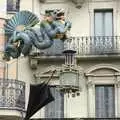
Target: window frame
<point x="105" y="85"/>
<point x="12" y="10"/>
<point x="103" y="11"/>
<point x="62" y="103"/>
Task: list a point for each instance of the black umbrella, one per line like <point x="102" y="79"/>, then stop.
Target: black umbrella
<point x="40" y="96"/>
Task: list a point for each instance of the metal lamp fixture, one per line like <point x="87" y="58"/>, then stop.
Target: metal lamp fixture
<point x="69" y="74"/>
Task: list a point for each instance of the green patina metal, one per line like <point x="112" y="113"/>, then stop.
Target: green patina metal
<point x="25" y="30"/>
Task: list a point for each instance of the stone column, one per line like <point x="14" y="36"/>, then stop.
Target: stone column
<point x="91" y="97"/>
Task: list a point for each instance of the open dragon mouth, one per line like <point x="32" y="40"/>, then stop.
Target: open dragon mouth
<point x="20" y="28"/>
<point x="59" y="36"/>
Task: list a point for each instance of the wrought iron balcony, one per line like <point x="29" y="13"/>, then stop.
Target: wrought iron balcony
<point x="91" y="45"/>
<point x="94" y="45"/>
<point x="12" y="94"/>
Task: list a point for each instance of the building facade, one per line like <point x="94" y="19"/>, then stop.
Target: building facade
<point x="95" y="37"/>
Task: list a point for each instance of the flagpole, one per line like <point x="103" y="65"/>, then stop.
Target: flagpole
<point x="51" y="77"/>
<point x="22" y="117"/>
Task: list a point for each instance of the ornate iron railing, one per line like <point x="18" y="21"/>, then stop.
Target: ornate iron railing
<point x="94" y="45"/>
<point x="12" y="94"/>
<point x="91" y="45"/>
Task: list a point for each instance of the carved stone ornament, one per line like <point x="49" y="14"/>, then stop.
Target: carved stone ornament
<point x="118" y="84"/>
<point x="90" y="84"/>
<point x="47" y="72"/>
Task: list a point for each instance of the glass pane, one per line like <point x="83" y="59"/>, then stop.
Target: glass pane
<point x="13" y="5"/>
<point x="103" y="27"/>
<point x="105" y="101"/>
<point x="99" y="24"/>
<point x="108" y="24"/>
<point x="103" y="23"/>
<point x="110" y="101"/>
<point x="55" y="109"/>
<point x="100" y="108"/>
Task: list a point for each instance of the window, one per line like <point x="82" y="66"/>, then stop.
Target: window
<point x="103" y="22"/>
<point x="103" y="27"/>
<point x="13" y="5"/>
<point x="105" y="101"/>
<point x="55" y="109"/>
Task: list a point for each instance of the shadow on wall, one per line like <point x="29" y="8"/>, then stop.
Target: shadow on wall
<point x="55" y="50"/>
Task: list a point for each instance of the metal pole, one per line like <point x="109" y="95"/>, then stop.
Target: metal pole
<point x="17" y="69"/>
<point x="22" y="117"/>
<point x="7" y="71"/>
<point x="4" y="70"/>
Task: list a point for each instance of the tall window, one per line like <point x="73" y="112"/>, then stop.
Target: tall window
<point x="13" y="5"/>
<point x="103" y="26"/>
<point x="103" y="22"/>
<point x="105" y="101"/>
<point x="55" y="109"/>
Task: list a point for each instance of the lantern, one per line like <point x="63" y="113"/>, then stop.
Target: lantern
<point x="69" y="74"/>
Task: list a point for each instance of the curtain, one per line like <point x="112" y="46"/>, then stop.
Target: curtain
<point x="105" y="101"/>
<point x="103" y="27"/>
<point x="55" y="109"/>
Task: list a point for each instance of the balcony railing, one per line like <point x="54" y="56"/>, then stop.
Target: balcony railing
<point x="91" y="45"/>
<point x="94" y="45"/>
<point x="12" y="94"/>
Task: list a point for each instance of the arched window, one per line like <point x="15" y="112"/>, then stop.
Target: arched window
<point x="103" y="91"/>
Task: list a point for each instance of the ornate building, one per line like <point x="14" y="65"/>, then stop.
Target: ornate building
<point x="95" y="38"/>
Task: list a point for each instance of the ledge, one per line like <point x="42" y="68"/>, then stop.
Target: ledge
<point x="78" y="57"/>
<point x="47" y="58"/>
<point x="98" y="57"/>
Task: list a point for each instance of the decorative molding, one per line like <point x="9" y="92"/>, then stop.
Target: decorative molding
<point x="42" y="1"/>
<point x="100" y="75"/>
<point x="52" y="1"/>
<point x="72" y="68"/>
<point x="47" y="73"/>
<point x="101" y="66"/>
<point x="117" y="83"/>
<point x="39" y="75"/>
<point x="78" y="3"/>
<point x="90" y="84"/>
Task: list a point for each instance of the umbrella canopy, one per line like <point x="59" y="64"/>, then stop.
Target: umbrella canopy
<point x="40" y="96"/>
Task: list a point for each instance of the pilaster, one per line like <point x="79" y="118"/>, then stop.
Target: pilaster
<point x="117" y="96"/>
<point x="91" y="97"/>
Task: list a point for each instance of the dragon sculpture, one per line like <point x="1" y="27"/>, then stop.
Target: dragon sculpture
<point x="24" y="30"/>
